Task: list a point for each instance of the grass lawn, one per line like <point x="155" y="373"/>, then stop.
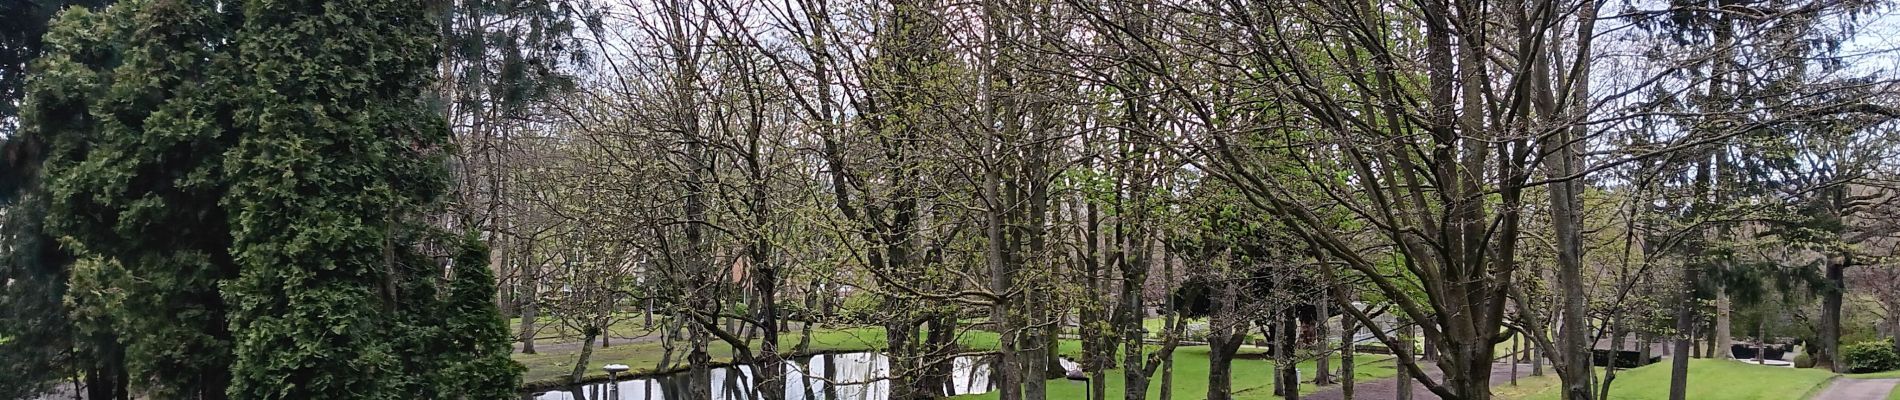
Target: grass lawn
<point x="551" y="367"/>
<point x="1253" y="375"/>
<point x="1708" y="379"/>
<point x="1876" y="375"/>
<point x="550" y="330"/>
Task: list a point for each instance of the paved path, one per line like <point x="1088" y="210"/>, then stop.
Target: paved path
<point x="1857" y="389"/>
<point x="1388" y="388"/>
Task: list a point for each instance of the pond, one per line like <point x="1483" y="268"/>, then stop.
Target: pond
<point x="845" y="376"/>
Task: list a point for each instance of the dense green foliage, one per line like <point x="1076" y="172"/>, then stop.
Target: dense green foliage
<point x="1873" y="356"/>
<point x="250" y="219"/>
<point x="478" y="348"/>
<point x="36" y="334"/>
<point x="34" y="330"/>
<point x="135" y="177"/>
<point x="341" y="165"/>
<point x="23" y="23"/>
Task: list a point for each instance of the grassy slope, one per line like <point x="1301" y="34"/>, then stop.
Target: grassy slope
<point x="1708" y="379"/>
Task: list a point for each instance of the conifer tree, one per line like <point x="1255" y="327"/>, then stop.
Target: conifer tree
<point x="133" y="102"/>
<point x="245" y="189"/>
<point x="331" y="181"/>
<point x="478" y="338"/>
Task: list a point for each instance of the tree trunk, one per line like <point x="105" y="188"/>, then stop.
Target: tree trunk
<point x="1404" y="380"/>
<point x="1167" y="379"/>
<point x="1724" y="339"/>
<point x="1827" y="355"/>
<point x="106" y="378"/>
<point x="1286" y="342"/>
<point x="1225" y="333"/>
<point x="1220" y="361"/>
<point x="587" y="353"/>
<point x="1537" y="358"/>
<point x="530" y="309"/>
<point x="1573" y="340"/>
<point x="765" y="281"/>
<point x="1648" y="342"/>
<point x="1616" y="352"/>
<point x="1695" y="345"/>
<point x="1002" y="275"/>
<point x="831" y="375"/>
<point x="1322" y="369"/>
<point x="1347" y="347"/>
<point x="698" y="362"/>
<point x="1035" y="370"/>
<point x="1685" y="334"/>
<point x="1708" y="351"/>
<point x="811" y="307"/>
<point x="1515" y="358"/>
<point x="1134" y="382"/>
<point x="939" y="345"/>
<point x="1171" y="320"/>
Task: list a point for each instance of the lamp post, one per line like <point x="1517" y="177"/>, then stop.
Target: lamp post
<point x="613" y="379"/>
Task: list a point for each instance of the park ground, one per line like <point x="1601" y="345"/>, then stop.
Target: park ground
<point x="639" y="348"/>
<point x="1723" y="379"/>
<point x="1375" y="374"/>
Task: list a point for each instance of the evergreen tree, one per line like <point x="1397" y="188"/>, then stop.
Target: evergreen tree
<point x="477" y="334"/>
<point x="23" y="23"/>
<point x="331" y="183"/>
<point x="35" y="332"/>
<point x="36" y="335"/>
<point x="131" y="102"/>
<point x="244" y="189"/>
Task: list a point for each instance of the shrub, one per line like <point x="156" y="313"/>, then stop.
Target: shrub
<point x="1803" y="361"/>
<point x="1873" y="356"/>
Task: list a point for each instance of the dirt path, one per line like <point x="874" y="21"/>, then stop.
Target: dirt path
<point x="1388" y="388"/>
<point x="1858" y="389"/>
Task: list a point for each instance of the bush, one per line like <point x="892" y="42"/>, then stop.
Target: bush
<point x="1874" y="356"/>
<point x="1803" y="361"/>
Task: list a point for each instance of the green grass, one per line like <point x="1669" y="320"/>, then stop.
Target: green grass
<point x="1875" y="375"/>
<point x="550" y="330"/>
<point x="1708" y="379"/>
<point x="1252" y="375"/>
<point x="552" y="368"/>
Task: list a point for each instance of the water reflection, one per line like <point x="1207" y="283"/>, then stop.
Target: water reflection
<point x="848" y="376"/>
